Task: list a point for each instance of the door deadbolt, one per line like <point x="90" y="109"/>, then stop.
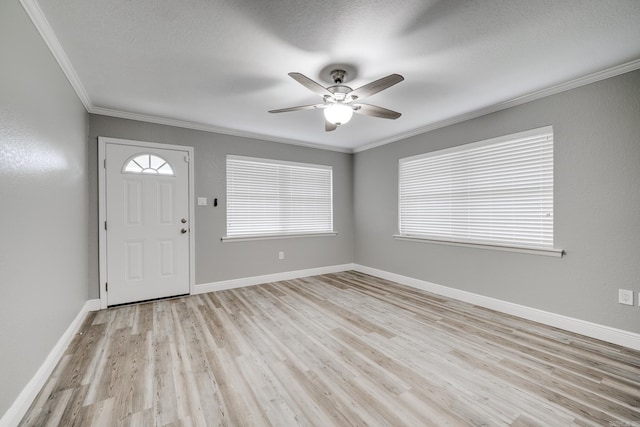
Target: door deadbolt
<point x="183" y="220"/>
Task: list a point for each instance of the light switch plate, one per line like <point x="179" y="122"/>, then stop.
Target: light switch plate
<point x="202" y="201"/>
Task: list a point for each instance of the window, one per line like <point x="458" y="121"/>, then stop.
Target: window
<point x="497" y="192"/>
<point x="275" y="198"/>
<point x="148" y="164"/>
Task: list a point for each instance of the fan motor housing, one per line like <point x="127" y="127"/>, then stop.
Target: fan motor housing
<point x="340" y="91"/>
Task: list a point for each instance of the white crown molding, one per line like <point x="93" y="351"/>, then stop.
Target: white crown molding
<point x="42" y="25"/>
<point x="39" y="20"/>
<point x="208" y="128"/>
<point x="21" y="405"/>
<point x="553" y="90"/>
<point x="582" y="327"/>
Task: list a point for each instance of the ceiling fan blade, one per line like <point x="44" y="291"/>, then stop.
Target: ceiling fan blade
<point x="310" y="84"/>
<point x="376" y="86"/>
<point x="301" y="107"/>
<point x="328" y="126"/>
<point x="375" y="111"/>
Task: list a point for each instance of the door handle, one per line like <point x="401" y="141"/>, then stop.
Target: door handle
<point x="184" y="230"/>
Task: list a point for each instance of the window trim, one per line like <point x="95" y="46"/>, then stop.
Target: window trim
<point x="282" y="235"/>
<point x="552" y="252"/>
<point x="247" y="238"/>
<point x="481" y="244"/>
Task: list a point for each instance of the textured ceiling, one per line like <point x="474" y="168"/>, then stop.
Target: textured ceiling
<point x="221" y="65"/>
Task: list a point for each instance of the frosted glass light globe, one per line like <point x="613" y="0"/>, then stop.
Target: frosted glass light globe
<point x="338" y="114"/>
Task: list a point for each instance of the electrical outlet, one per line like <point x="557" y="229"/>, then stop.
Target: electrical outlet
<point x="625" y="296"/>
<point x="280" y="255"/>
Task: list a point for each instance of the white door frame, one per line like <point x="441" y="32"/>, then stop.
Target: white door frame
<point x="102" y="207"/>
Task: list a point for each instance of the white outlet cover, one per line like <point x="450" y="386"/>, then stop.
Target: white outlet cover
<point x="625" y="296"/>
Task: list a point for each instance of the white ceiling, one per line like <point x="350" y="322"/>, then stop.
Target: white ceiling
<point x="221" y="65"/>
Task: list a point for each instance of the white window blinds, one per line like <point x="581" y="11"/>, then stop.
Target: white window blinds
<point x="272" y="198"/>
<point x="490" y="192"/>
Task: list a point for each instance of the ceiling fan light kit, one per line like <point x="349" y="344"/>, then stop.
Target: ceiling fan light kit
<point x="338" y="114"/>
<point x="340" y="101"/>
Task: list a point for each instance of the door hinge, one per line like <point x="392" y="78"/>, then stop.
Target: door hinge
<point x="106" y="287"/>
<point x="186" y="159"/>
<point x="105" y="225"/>
<point x="104" y="163"/>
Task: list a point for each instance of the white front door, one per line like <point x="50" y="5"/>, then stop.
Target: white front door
<point x="147" y="222"/>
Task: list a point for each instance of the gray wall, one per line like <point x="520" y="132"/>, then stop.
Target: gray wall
<point x="597" y="208"/>
<point x="48" y="191"/>
<point x="44" y="202"/>
<point x="214" y="260"/>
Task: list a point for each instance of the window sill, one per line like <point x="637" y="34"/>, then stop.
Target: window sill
<point x="552" y="252"/>
<point x="230" y="239"/>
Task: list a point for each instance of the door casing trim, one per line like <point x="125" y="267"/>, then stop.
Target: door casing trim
<point x="102" y="207"/>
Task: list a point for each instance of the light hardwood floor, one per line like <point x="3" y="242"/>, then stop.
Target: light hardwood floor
<point x="334" y="350"/>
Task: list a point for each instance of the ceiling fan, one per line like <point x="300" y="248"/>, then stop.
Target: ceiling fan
<point x="340" y="101"/>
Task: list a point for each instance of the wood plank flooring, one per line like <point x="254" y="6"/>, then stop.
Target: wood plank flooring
<point x="341" y="349"/>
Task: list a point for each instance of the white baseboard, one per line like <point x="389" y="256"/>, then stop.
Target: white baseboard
<point x="92" y="305"/>
<point x="268" y="278"/>
<point x="582" y="327"/>
<point x="16" y="412"/>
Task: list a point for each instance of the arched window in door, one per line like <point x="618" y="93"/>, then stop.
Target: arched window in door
<point x="148" y="164"/>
